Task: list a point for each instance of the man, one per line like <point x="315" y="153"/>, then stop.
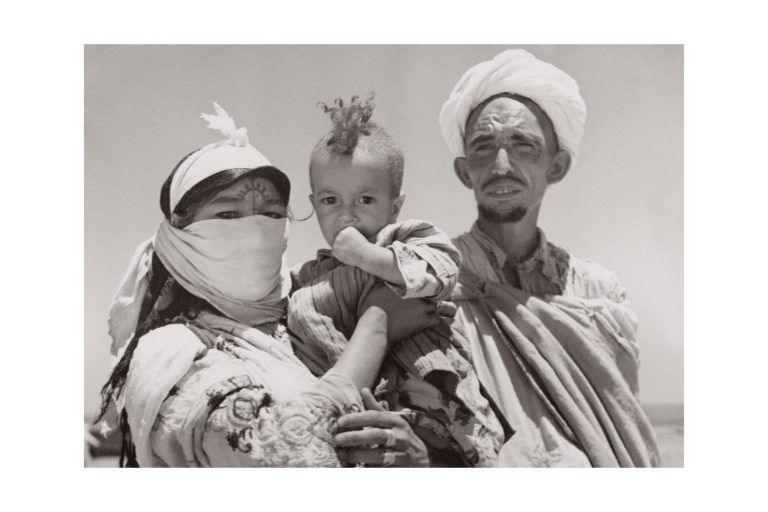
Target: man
<point x="552" y="336"/>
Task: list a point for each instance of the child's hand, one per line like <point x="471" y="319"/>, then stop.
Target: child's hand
<point x="405" y="317"/>
<point x="349" y="246"/>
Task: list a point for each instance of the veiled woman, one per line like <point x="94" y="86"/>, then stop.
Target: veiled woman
<point x="205" y="374"/>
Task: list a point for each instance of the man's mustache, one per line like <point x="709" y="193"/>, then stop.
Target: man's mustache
<point x="506" y="177"/>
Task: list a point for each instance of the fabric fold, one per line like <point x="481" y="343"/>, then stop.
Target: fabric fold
<point x="579" y="356"/>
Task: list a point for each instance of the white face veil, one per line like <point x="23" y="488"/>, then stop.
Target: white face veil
<point x="238" y="266"/>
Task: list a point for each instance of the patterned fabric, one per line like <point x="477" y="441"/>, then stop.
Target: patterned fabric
<point x="557" y="351"/>
<point x="428" y="372"/>
<point x="245" y="400"/>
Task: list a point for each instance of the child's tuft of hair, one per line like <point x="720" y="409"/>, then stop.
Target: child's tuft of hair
<point x="349" y="122"/>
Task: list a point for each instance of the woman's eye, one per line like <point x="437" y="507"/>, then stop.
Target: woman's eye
<point x="227" y="215"/>
<point x="273" y="215"/>
<point x="328" y="200"/>
<point x="367" y="200"/>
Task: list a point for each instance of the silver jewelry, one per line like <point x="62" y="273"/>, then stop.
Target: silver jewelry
<point x="389" y="458"/>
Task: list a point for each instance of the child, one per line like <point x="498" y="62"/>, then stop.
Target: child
<point x="356" y="175"/>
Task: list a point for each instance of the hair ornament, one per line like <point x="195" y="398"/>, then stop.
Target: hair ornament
<point x="225" y="124"/>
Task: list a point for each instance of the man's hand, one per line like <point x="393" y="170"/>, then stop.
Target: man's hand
<point x="349" y="246"/>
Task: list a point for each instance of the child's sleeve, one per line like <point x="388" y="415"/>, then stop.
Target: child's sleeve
<point x="310" y="270"/>
<point x="426" y="258"/>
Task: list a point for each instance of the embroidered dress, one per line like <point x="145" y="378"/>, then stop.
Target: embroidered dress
<point x="215" y="392"/>
<point x="553" y="340"/>
<point x="429" y="372"/>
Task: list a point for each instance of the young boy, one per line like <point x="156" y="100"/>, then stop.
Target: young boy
<point x="356" y="176"/>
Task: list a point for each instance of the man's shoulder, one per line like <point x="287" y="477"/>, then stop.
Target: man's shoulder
<point x="465" y="242"/>
<point x="590" y="280"/>
<point x="463" y="236"/>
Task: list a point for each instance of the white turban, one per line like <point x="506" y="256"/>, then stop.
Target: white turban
<point x="517" y="72"/>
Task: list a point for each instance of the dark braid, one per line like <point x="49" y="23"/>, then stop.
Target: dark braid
<point x="165" y="302"/>
<point x="127" y="448"/>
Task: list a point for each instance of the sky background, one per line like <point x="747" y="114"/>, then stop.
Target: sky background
<point x="622" y="205"/>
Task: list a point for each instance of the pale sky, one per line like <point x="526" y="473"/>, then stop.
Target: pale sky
<point x="622" y="205"/>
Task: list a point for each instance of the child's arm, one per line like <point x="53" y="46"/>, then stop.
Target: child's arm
<point x="351" y="248"/>
<point x="413" y="256"/>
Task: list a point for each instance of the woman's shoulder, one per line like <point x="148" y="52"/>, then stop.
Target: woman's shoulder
<point x="172" y="345"/>
<point x="169" y="335"/>
<point x="177" y="330"/>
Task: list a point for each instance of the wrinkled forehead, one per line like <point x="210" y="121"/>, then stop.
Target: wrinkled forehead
<point x="510" y="111"/>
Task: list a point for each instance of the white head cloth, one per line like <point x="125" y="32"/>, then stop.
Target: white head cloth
<point x="234" y="152"/>
<point x="198" y="246"/>
<point x="517" y="72"/>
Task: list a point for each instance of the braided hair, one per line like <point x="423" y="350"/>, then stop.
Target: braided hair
<point x="353" y="130"/>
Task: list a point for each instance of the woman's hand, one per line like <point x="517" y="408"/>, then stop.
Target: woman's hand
<point x="406" y="317"/>
<point x="377" y="437"/>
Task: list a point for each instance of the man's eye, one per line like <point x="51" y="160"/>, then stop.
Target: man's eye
<point x="482" y="149"/>
<point x="328" y="200"/>
<point x="273" y="215"/>
<point x="367" y="200"/>
<point x="227" y="215"/>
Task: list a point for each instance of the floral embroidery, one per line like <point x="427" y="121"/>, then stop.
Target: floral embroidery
<point x="247" y="407"/>
<point x="296" y="427"/>
<point x="240" y="440"/>
<point x="220" y="390"/>
<point x="278" y="434"/>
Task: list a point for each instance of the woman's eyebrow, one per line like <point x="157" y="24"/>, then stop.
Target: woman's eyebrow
<point x="224" y="199"/>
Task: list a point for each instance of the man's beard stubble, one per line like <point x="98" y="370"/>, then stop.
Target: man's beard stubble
<point x="514" y="215"/>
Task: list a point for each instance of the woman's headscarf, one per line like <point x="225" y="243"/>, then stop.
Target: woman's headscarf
<point x="238" y="266"/>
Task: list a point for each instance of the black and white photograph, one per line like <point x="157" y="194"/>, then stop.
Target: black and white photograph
<point x="372" y="256"/>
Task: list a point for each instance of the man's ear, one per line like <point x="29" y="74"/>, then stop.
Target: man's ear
<point x="397" y="205"/>
<point x="560" y="166"/>
<point x="460" y="168"/>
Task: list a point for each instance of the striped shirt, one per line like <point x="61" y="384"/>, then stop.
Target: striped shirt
<point x="428" y="372"/>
